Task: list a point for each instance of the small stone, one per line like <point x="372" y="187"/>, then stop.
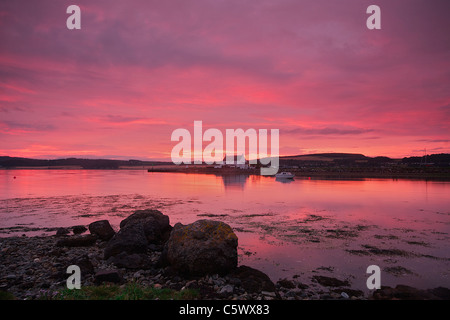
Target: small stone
<point x="190" y="284"/>
<point x="268" y="294"/>
<point x="108" y="276"/>
<point x="286" y="284"/>
<point x="227" y="289"/>
<point x="62" y="232"/>
<point x="293" y="292"/>
<point x="102" y="229"/>
<point x="78" y="229"/>
<point x="235" y="281"/>
<point x="344" y="295"/>
<point x="252" y="280"/>
<point x="330" y="282"/>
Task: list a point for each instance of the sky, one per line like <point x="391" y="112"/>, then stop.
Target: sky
<point x="137" y="70"/>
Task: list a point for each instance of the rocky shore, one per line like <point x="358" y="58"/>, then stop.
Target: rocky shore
<point x="148" y="251"/>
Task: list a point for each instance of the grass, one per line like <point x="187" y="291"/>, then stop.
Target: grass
<point x="4" y="295"/>
<point x="130" y="291"/>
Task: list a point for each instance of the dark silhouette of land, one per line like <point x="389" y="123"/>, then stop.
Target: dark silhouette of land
<point x="326" y="165"/>
<point x="347" y="165"/>
<point x="15" y="162"/>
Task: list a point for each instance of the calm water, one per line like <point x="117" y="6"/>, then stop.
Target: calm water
<point x="300" y="228"/>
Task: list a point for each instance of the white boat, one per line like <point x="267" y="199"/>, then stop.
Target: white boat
<point x="285" y="175"/>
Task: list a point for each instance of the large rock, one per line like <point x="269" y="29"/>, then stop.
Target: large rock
<point x="85" y="264"/>
<point x="78" y="229"/>
<point x="402" y="292"/>
<point x="253" y="280"/>
<point x="112" y="276"/>
<point x="203" y="247"/>
<point x="130" y="239"/>
<point x="102" y="229"/>
<point x="330" y="281"/>
<point x="137" y="232"/>
<point x="62" y="232"/>
<point x="156" y="225"/>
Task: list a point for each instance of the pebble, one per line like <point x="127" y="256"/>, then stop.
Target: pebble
<point x="30" y="264"/>
<point x="268" y="294"/>
<point x="227" y="289"/>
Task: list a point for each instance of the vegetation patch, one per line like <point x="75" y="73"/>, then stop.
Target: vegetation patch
<point x="130" y="291"/>
<point x="388" y="252"/>
<point x="330" y="282"/>
<point x="398" y="271"/>
<point x="385" y="237"/>
<point x="341" y="233"/>
<point x="418" y="243"/>
<point x="313" y="218"/>
<point x="257" y="215"/>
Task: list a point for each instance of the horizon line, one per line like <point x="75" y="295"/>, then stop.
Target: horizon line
<point x="124" y="158"/>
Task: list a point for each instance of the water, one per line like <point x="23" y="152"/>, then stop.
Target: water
<point x="298" y="229"/>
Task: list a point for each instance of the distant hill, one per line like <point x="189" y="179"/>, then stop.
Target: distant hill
<point x="9" y="162"/>
<point x="326" y="157"/>
<point x="317" y="159"/>
<point x="335" y="159"/>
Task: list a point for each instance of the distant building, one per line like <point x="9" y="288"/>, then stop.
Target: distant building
<point x="238" y="161"/>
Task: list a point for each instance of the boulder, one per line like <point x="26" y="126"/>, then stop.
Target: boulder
<point x="78" y="229"/>
<point x="202" y="247"/>
<point x="403" y="292"/>
<point x="252" y="280"/>
<point x="156" y="225"/>
<point x="285" y="283"/>
<point x="62" y="232"/>
<point x="139" y="232"/>
<point x="130" y="239"/>
<point x="330" y="281"/>
<point x="102" y="229"/>
<point x="112" y="276"/>
<point x="84" y="263"/>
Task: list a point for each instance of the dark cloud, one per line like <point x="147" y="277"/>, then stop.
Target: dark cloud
<point x="433" y="140"/>
<point x="328" y="131"/>
<point x="13" y="125"/>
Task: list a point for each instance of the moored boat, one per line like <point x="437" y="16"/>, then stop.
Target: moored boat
<point x="285" y="175"/>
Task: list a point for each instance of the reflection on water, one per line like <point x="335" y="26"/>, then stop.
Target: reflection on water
<point x="282" y="180"/>
<point x="298" y="227"/>
<point x="234" y="180"/>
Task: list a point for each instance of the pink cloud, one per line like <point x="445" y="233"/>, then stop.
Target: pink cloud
<point x="138" y="70"/>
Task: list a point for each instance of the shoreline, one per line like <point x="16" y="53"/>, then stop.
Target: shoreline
<point x="317" y="173"/>
<point x="34" y="268"/>
<point x="320" y="175"/>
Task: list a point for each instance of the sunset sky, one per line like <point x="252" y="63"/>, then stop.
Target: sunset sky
<point x="137" y="70"/>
